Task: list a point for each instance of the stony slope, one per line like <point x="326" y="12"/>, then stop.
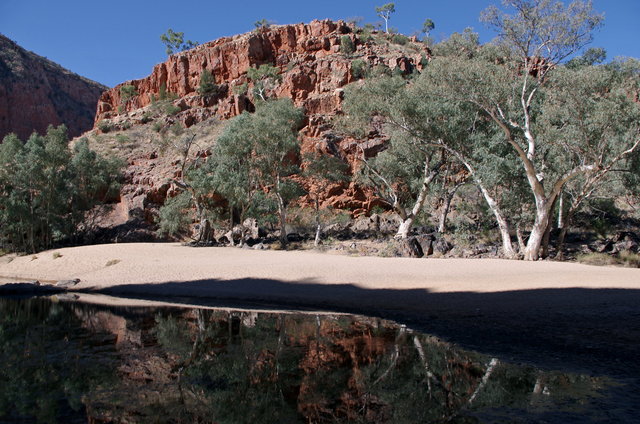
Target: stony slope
<point x="314" y="72"/>
<point x="36" y="93"/>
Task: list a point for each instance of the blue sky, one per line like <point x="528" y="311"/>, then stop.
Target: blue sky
<point x="115" y="41"/>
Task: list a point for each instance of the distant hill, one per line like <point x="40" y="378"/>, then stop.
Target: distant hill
<point x="36" y="92"/>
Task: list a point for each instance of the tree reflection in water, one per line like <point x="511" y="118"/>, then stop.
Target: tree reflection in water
<point x="64" y="360"/>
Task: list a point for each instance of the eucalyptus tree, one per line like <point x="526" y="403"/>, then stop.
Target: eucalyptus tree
<point x="412" y="158"/>
<point x="385" y="12"/>
<point x="174" y="42"/>
<point x="46" y="188"/>
<point x="323" y="170"/>
<point x="256" y="154"/>
<point x="590" y="114"/>
<point x="540" y="34"/>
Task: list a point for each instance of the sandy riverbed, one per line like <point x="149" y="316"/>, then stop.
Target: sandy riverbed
<point x="551" y="313"/>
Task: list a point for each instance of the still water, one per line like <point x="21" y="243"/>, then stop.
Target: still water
<point x="65" y="361"/>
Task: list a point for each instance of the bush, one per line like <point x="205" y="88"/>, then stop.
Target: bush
<point x="626" y="258"/>
<point x="346" y="45"/>
<point x="127" y="92"/>
<point x="174" y="218"/>
<point x="359" y="68"/>
<point x="47" y="188"/>
<point x="105" y="126"/>
<point x="208" y="85"/>
<point x="399" y="39"/>
<point x="171" y="109"/>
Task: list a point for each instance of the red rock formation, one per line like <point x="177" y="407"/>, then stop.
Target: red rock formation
<point x="313" y="74"/>
<point x="36" y="93"/>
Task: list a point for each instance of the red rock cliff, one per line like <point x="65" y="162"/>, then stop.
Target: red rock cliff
<point x="36" y="93"/>
<point x="313" y="72"/>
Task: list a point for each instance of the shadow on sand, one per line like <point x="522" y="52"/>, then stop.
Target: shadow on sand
<point x="582" y="330"/>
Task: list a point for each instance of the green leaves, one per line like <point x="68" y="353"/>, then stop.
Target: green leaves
<point x="174" y="42"/>
<point x="46" y="188"/>
<point x="544" y="28"/>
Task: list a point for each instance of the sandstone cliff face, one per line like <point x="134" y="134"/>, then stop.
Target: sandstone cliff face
<point x="313" y="73"/>
<point x="36" y="93"/>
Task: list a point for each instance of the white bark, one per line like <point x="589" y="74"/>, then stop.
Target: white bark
<point x="485" y="378"/>
<point x="503" y="225"/>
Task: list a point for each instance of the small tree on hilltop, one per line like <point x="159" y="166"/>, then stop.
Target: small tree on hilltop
<point x="385" y="12"/>
<point x="174" y="42"/>
<point x="428" y="26"/>
<point x="262" y="24"/>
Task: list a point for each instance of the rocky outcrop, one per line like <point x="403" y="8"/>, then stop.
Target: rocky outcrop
<point x="36" y="93"/>
<point x="313" y="72"/>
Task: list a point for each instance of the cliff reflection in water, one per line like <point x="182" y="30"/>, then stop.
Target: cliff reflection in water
<point x="73" y="362"/>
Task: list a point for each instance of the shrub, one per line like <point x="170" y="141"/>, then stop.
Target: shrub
<point x="240" y="89"/>
<point x="105" y="126"/>
<point x="359" y="68"/>
<point x="207" y="85"/>
<point x="127" y="92"/>
<point x="399" y="39"/>
<point x="171" y="109"/>
<point x="346" y="45"/>
<point x="174" y="218"/>
<point x="121" y="138"/>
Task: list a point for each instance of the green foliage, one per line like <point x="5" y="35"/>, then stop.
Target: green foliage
<point x="46" y="188"/>
<point x="264" y="79"/>
<point x="174" y="216"/>
<point x="240" y="89"/>
<point x="593" y="56"/>
<point x="171" y="109"/>
<point x="359" y="68"/>
<point x="466" y="44"/>
<point x="105" y="126"/>
<point x="256" y="155"/>
<point x="174" y="42"/>
<point x="399" y="39"/>
<point x="347" y="46"/>
<point x="544" y="28"/>
<point x="262" y="24"/>
<point x="385" y="12"/>
<point x="428" y="26"/>
<point x="208" y="86"/>
<point x="127" y="92"/>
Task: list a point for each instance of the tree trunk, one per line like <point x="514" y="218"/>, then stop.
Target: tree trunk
<point x="547" y="232"/>
<point x="282" y="211"/>
<point x="404" y="228"/>
<point x="532" y="251"/>
<point x="561" y="211"/>
<point x="442" y="222"/>
<point x="407" y="219"/>
<point x="521" y="243"/>
<point x="493" y="205"/>
<point x="503" y="225"/>
<point x="316" y="241"/>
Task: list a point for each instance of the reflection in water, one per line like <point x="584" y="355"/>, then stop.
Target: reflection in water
<point x="73" y="362"/>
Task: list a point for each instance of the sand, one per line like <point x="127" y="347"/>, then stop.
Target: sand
<point x="313" y="278"/>
<point x="550" y="313"/>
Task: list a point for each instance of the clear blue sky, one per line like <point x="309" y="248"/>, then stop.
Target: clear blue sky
<point x="116" y="40"/>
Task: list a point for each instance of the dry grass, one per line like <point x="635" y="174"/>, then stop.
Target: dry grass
<point x="626" y="259"/>
<point x="56" y="255"/>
